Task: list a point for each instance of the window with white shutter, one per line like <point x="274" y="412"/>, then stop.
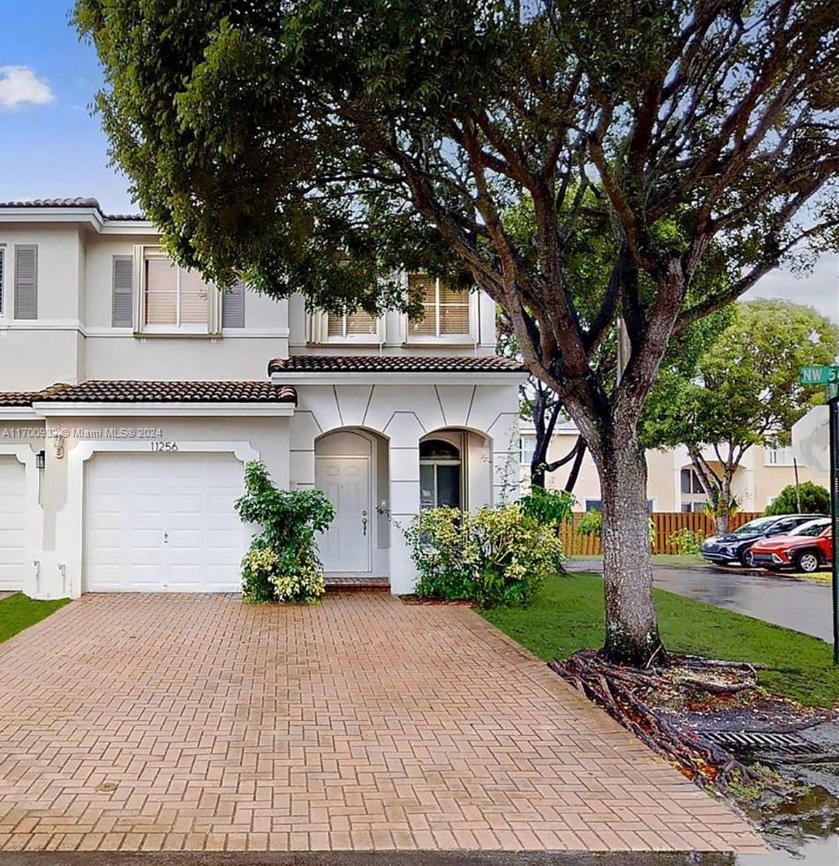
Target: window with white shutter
<point x="233" y="307"/>
<point x="174" y="298"/>
<point x="26" y="281"/>
<point x="122" y="292"/>
<point x="446" y="312"/>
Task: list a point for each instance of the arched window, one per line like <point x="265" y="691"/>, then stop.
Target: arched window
<point x="440" y="468"/>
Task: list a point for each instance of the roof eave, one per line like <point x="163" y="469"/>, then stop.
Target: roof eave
<point x="379" y="377"/>
<point x="162" y="409"/>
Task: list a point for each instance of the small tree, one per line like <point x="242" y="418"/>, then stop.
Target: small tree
<point x="744" y="391"/>
<point x="807" y="498"/>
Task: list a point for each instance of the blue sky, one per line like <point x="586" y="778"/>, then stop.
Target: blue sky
<point x="53" y="147"/>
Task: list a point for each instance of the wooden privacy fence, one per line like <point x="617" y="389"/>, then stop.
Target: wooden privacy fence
<point x="666" y="523"/>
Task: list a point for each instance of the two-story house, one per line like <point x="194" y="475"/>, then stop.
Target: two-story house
<point x="132" y="394"/>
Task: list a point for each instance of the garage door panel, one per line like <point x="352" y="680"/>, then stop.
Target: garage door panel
<point x="12" y="522"/>
<point x="163" y="522"/>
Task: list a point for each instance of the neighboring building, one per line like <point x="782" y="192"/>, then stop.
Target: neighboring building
<point x="131" y="394"/>
<point x="672" y="484"/>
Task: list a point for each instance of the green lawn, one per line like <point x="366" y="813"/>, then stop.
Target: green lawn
<point x="18" y="612"/>
<point x="568" y="615"/>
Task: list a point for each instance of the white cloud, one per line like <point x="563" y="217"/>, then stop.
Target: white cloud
<point x="819" y="289"/>
<point x="19" y="85"/>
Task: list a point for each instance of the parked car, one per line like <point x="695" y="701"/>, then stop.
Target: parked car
<point x="806" y="548"/>
<point x="736" y="546"/>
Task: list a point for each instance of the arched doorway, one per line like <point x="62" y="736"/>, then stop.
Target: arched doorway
<point x="351" y="468"/>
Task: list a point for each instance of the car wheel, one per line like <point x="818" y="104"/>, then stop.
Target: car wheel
<point x="808" y="562"/>
<point x="746" y="558"/>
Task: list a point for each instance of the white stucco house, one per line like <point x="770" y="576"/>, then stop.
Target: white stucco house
<point x="132" y="394"/>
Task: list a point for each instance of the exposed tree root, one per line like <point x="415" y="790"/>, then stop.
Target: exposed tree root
<point x="622" y="691"/>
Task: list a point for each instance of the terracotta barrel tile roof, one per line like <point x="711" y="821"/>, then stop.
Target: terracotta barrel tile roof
<point x="77" y="202"/>
<point x="170" y="392"/>
<point x="17" y="398"/>
<point x="27" y="398"/>
<point x="393" y="364"/>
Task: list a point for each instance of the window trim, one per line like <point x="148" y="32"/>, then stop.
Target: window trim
<point x="435" y="462"/>
<point x="318" y="332"/>
<point x="212" y="328"/>
<point x="437" y="338"/>
<point x="768" y="451"/>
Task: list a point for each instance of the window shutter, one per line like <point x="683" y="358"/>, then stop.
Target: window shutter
<point x="26" y="281"/>
<point x="233" y="307"/>
<point x="122" y="295"/>
<point x="2" y="273"/>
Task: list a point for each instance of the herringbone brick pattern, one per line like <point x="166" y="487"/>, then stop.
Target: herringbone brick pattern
<point x="197" y="722"/>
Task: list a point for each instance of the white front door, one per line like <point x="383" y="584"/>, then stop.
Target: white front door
<point x="12" y="525"/>
<point x="345" y="546"/>
<point x="163" y="523"/>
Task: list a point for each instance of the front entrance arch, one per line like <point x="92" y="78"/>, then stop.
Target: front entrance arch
<point x="351" y="469"/>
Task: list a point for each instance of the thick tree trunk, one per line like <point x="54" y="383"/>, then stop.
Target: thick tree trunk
<point x="631" y="629"/>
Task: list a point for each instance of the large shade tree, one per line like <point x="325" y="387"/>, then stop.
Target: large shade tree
<point x="316" y="145"/>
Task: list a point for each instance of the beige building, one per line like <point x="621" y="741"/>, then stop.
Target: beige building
<point x="672" y="484"/>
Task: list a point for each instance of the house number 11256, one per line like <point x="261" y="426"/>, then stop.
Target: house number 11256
<point x="164" y="446"/>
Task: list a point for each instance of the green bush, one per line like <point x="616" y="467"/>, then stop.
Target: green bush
<point x="686" y="541"/>
<point x="814" y="500"/>
<point x="282" y="563"/>
<point x="498" y="556"/>
<point x="547" y="506"/>
<point x="591" y="523"/>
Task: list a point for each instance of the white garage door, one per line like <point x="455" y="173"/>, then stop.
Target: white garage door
<point x="11" y="522"/>
<point x="163" y="523"/>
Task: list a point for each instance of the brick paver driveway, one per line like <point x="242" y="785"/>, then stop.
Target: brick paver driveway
<point x="197" y="722"/>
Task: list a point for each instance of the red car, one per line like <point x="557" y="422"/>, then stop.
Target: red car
<point x="806" y="548"/>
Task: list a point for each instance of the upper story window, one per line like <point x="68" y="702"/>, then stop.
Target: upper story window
<point x="352" y="326"/>
<point x="359" y="327"/>
<point x="170" y="299"/>
<point x="174" y="297"/>
<point x="781" y="456"/>
<point x="446" y="312"/>
<point x="2" y="278"/>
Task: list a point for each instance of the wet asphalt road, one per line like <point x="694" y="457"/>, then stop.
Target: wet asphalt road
<point x="796" y="604"/>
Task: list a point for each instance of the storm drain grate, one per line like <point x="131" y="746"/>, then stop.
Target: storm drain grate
<point x="758" y="740"/>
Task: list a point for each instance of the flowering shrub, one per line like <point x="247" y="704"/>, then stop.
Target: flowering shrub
<point x="282" y="563"/>
<point x="686" y="541"/>
<point x="495" y="557"/>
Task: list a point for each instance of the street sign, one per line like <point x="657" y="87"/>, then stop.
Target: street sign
<point x="826" y="374"/>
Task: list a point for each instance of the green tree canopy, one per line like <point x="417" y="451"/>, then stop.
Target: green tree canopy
<point x="806" y="498"/>
<point x="743" y="391"/>
<point x="316" y="145"/>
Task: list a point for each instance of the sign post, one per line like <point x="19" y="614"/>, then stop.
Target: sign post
<point x="829" y="377"/>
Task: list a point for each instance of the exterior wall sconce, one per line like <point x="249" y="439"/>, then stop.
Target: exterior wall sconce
<point x="41" y="460"/>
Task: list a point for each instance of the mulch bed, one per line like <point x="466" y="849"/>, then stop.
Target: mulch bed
<point x="415" y="599"/>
